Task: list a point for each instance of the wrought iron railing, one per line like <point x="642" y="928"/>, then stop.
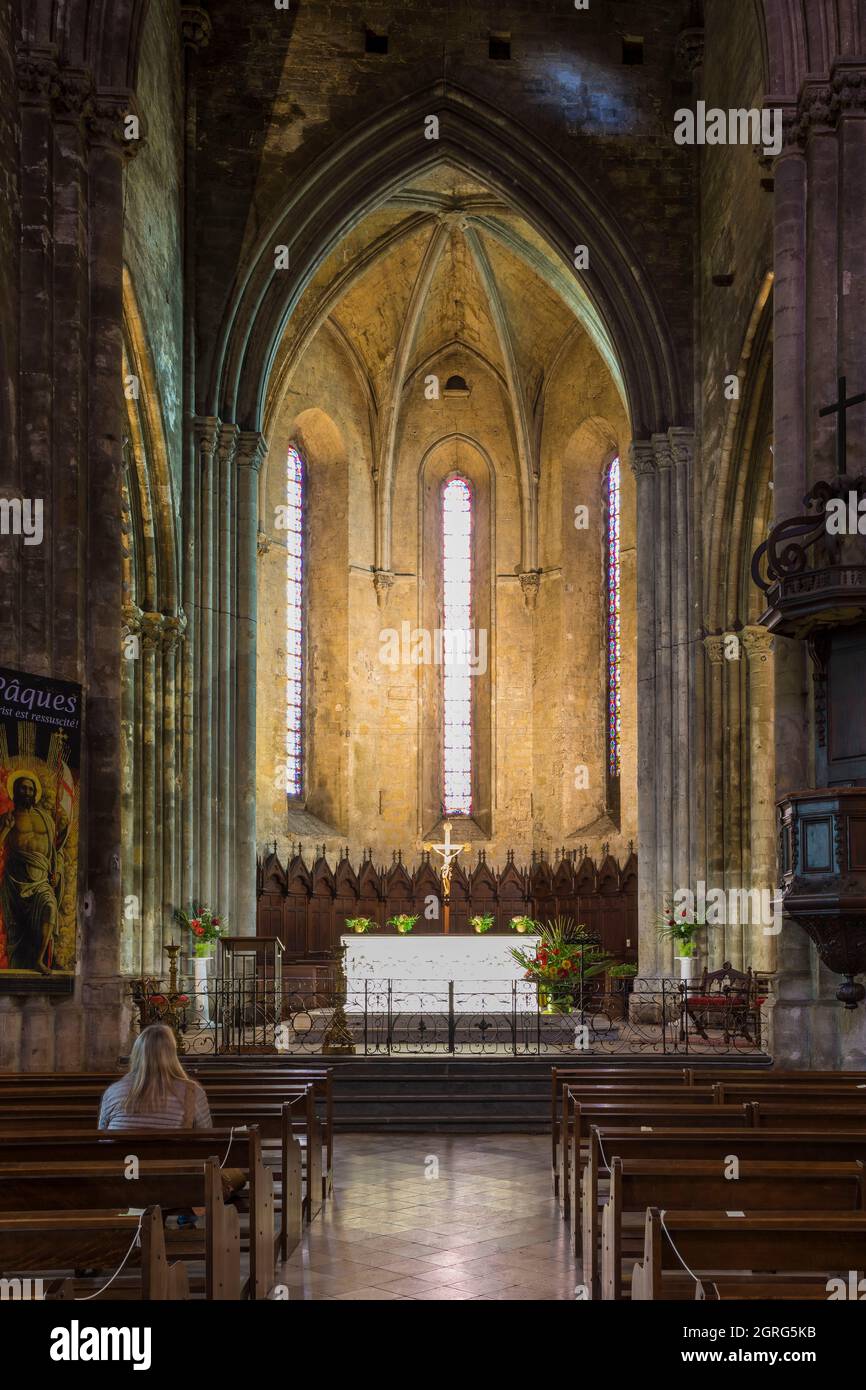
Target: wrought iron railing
<point x="495" y="1018"/>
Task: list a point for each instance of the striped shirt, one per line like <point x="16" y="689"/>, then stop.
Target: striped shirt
<point x="114" y="1115"/>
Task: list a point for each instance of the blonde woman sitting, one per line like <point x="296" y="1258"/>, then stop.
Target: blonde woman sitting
<point x="156" y="1092"/>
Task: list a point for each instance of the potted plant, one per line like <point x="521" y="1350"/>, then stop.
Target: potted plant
<point x="361" y="925"/>
<point x="620" y="981"/>
<point x="204" y="927"/>
<point x="404" y="922"/>
<point x="682" y="931"/>
<point x="482" y="923"/>
<point x="561" y="963"/>
<point x="524" y="925"/>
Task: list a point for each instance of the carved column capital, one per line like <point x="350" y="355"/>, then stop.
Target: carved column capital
<point x="714" y="646"/>
<point x="206" y="429"/>
<point x="251" y="448"/>
<point x="227" y="441"/>
<point x="758" y="643"/>
<point x="108" y="118"/>
<point x="132" y="616"/>
<point x="263" y="544"/>
<point x="530" y="583"/>
<point x="36" y="68"/>
<point x="382" y="582"/>
<point x="152" y="628"/>
<point x="173" y="630"/>
<point x="195" y="26"/>
<point x="848" y="88"/>
<point x="641" y="458"/>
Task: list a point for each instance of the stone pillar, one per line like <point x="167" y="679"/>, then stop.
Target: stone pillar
<point x="226" y="753"/>
<point x="104" y="997"/>
<point x="715" y="865"/>
<point x="251" y="451"/>
<point x="643" y="465"/>
<point x="665" y="683"/>
<point x="195" y="32"/>
<point x="762" y="811"/>
<point x="848" y="87"/>
<point x="172" y="638"/>
<point x="206" y="431"/>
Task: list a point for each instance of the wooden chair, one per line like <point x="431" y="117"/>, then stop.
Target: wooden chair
<point x="729" y="1000"/>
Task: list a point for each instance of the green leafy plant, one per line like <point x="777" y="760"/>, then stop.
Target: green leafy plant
<point x="361" y="924"/>
<point x="482" y="923"/>
<point x="526" y="926"/>
<point x="562" y="960"/>
<point x="679" y="930"/>
<point x="404" y="922"/>
<point x="622" y="971"/>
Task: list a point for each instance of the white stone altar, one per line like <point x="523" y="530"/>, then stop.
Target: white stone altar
<point x="420" y="968"/>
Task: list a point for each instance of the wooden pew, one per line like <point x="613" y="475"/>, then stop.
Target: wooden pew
<point x="594" y="1072"/>
<point x="698" y="1114"/>
<point x="713" y="1144"/>
<point x="43" y="1242"/>
<point x="268" y="1079"/>
<point x="291" y="1129"/>
<point x="637" y="1184"/>
<point x="54" y="1186"/>
<point x="83" y="1145"/>
<point x="767" y="1246"/>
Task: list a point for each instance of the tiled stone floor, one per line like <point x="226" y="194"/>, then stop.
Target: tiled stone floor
<point x="437" y="1217"/>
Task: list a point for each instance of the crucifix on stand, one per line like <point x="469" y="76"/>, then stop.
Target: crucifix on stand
<point x="449" y="854"/>
<point x="841" y="407"/>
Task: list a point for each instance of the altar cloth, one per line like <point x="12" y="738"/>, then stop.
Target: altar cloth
<point x="412" y="974"/>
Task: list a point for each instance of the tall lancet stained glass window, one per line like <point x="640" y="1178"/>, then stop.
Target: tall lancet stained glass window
<point x="613" y="636"/>
<point x="294" y="525"/>
<point x="457" y="623"/>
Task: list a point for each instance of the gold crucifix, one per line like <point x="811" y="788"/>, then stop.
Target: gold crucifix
<point x="449" y="853"/>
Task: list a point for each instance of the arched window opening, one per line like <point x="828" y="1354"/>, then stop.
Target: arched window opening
<point x="457" y="766"/>
<point x="295" y="652"/>
<point x="613" y="633"/>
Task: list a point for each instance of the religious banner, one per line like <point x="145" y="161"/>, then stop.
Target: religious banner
<point x="40" y="760"/>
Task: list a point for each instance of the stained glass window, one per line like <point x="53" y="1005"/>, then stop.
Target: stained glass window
<point x="457" y="622"/>
<point x="614" y="649"/>
<point x="294" y="524"/>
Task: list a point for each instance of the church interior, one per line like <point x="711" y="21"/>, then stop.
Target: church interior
<point x="432" y="637"/>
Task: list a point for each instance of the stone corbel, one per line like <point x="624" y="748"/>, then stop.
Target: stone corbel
<point x="382" y="582"/>
<point x="530" y="583"/>
<point x="195" y="26"/>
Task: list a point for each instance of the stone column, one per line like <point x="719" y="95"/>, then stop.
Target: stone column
<point x="716" y="782"/>
<point x="130" y="963"/>
<point x="758" y="645"/>
<point x="151" y="807"/>
<point x="172" y="639"/>
<point x="226" y="754"/>
<point x="848" y="87"/>
<point x="31" y="565"/>
<point x="206" y="432"/>
<point x="643" y="465"/>
<point x="104" y="997"/>
<point x="251" y="452"/>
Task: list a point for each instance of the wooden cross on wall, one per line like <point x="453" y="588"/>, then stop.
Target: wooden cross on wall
<point x="841" y="407"/>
